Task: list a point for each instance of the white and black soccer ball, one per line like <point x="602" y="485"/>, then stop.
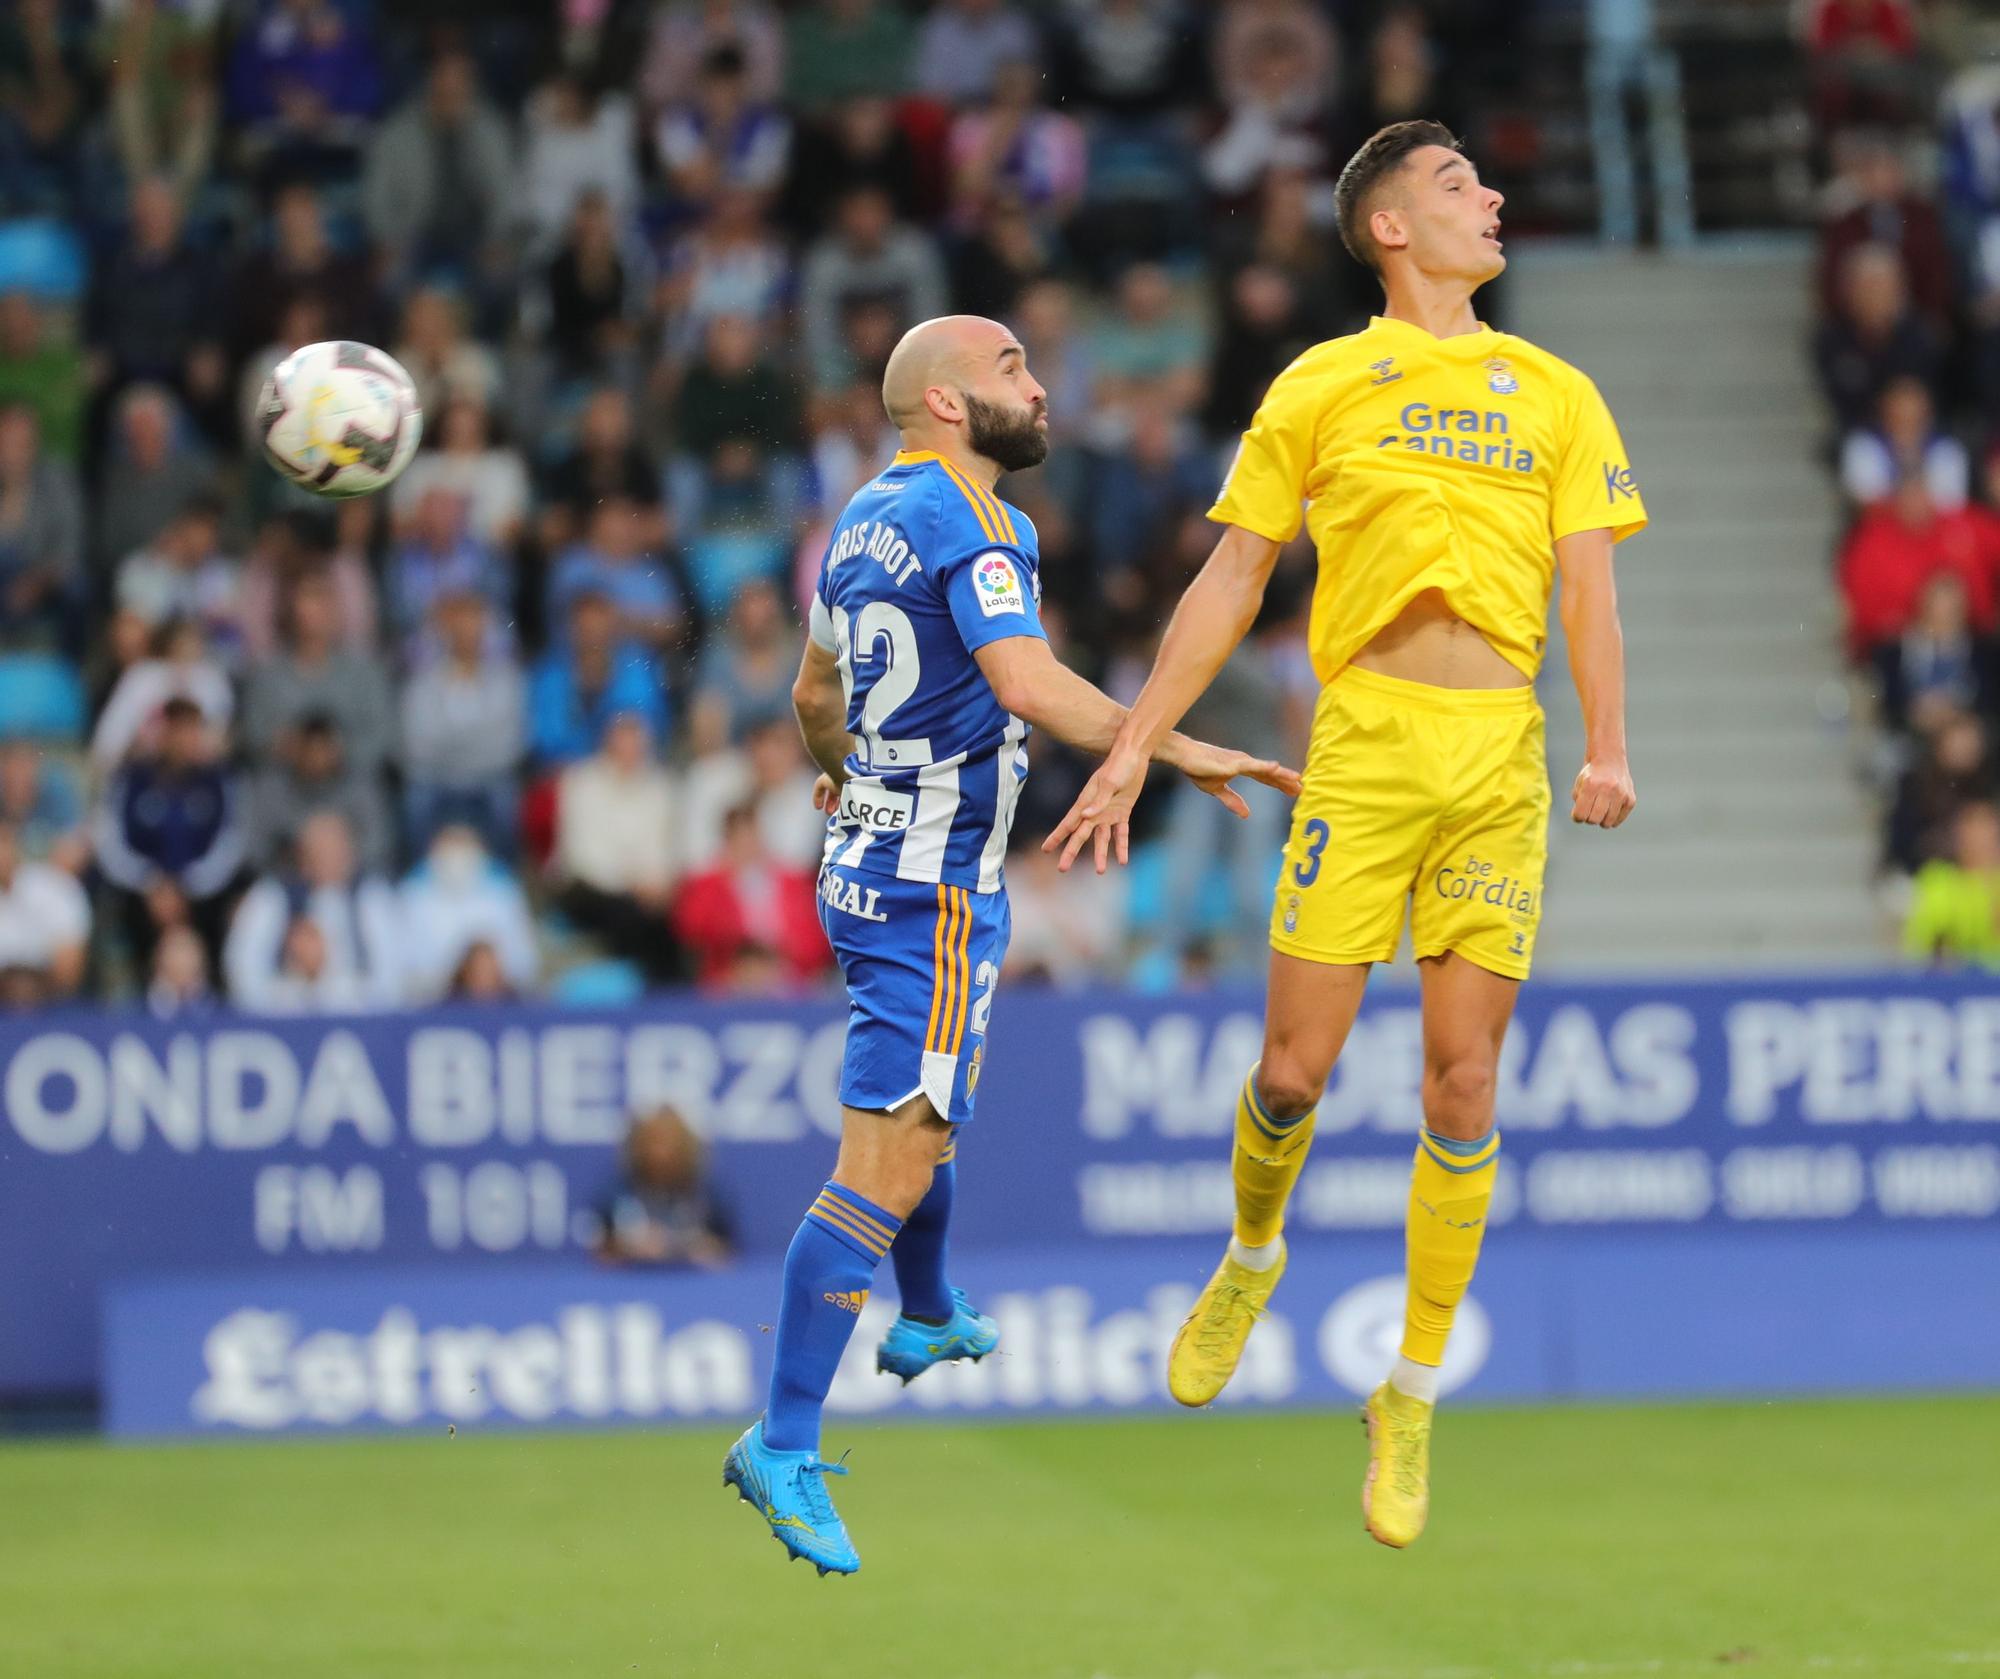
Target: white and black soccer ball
<point x="339" y="419"/>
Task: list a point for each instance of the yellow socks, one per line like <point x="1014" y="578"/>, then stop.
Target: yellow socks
<point x="1268" y="1156"/>
<point x="1449" y="1190"/>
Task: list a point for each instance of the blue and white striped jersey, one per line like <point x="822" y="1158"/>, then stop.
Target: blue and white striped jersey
<point x="925" y="566"/>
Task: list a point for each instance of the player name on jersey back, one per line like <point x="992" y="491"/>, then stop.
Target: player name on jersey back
<point x="924" y="568"/>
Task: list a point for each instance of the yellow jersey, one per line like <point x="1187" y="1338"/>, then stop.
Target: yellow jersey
<point x="1422" y="463"/>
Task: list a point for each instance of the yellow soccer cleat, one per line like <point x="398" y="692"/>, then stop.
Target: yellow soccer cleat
<point x="1396" y="1496"/>
<point x="1205" y="1352"/>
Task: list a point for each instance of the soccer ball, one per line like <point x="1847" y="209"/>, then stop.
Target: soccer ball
<point x="339" y="419"/>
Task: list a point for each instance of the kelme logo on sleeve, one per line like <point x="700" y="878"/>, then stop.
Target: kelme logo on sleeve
<point x="1619" y="482"/>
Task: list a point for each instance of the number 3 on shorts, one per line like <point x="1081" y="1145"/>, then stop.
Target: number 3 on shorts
<point x="1307" y="870"/>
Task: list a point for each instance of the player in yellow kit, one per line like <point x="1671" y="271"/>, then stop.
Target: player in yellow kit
<point x="1446" y="473"/>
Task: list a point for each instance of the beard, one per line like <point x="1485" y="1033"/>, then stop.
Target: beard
<point x="1009" y="437"/>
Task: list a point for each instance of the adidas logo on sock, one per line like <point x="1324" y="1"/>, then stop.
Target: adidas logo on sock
<point x="847" y="1302"/>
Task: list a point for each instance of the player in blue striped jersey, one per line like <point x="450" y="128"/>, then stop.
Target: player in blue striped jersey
<point x="925" y="668"/>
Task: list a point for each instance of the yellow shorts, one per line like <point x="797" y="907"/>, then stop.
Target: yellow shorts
<point x="1435" y="798"/>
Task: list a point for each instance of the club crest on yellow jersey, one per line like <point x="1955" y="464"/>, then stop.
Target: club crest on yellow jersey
<point x="1500" y="377"/>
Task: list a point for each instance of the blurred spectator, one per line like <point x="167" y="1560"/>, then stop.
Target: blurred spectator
<point x="301" y="261"/>
<point x="1291" y="234"/>
<point x="846" y="49"/>
<point x="294" y="545"/>
<point x="169" y="836"/>
<point x="42" y="369"/>
<point x="750" y="908"/>
<point x="41" y="802"/>
<point x="1064" y="933"/>
<point x="176" y="665"/>
<point x="438" y="556"/>
<point x="1905" y="442"/>
<point x="731" y="264"/>
<point x="686" y="35"/>
<point x="158" y="59"/>
<point x="439" y="357"/>
<point x="440" y="181"/>
<point x="183" y="573"/>
<point x="1954" y="918"/>
<point x="1150" y="352"/>
<point x="734" y="395"/>
<point x="852" y="438"/>
<point x="318" y="936"/>
<point x="464" y="732"/>
<point x="178" y="983"/>
<point x="484" y="480"/>
<point x="151" y="470"/>
<point x="1891" y="553"/>
<point x="42" y="88"/>
<point x="1862" y="61"/>
<point x="1129" y="60"/>
<point x="311" y="772"/>
<point x="1876" y="206"/>
<point x="1248" y="33"/>
<point x="722" y="137"/>
<point x="587" y="679"/>
<point x="1952" y="768"/>
<point x="152" y="308"/>
<point x="480" y="977"/>
<point x="41" y="537"/>
<point x="662" y="1210"/>
<point x="857" y="143"/>
<point x="611" y="561"/>
<point x="772" y="776"/>
<point x="605" y="462"/>
<point x="457" y="898"/>
<point x="1015" y="148"/>
<point x="1007" y="252"/>
<point x="1875" y="336"/>
<point x="1936" y="664"/>
<point x="579" y="140"/>
<point x="1274" y="67"/>
<point x="1396" y="80"/>
<point x="315" y="675"/>
<point x="615" y="860"/>
<point x="1625" y="55"/>
<point x="964" y="44"/>
<point x="1243" y="703"/>
<point x="866" y="258"/>
<point x="303" y="80"/>
<point x="591" y="296"/>
<point x="743" y="677"/>
<point x="1266" y="325"/>
<point x="1139" y="497"/>
<point x="44" y="928"/>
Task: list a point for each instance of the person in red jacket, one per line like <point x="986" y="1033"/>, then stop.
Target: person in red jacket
<point x="750" y="915"/>
<point x="1862" y="52"/>
<point x="1895" y="549"/>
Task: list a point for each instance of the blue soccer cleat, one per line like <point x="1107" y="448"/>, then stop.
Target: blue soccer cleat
<point x="788" y="1489"/>
<point x="910" y="1348"/>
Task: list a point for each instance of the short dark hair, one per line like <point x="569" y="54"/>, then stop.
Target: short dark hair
<point x="1385" y="153"/>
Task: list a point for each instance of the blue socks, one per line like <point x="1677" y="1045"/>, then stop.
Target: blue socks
<point x="919" y="1253"/>
<point x="828" y="1270"/>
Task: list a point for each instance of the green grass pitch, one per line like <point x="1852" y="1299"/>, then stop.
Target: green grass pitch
<point x="1789" y="1539"/>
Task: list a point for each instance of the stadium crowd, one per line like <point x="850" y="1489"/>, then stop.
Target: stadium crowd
<point x="1908" y="356"/>
<point x="522" y="724"/>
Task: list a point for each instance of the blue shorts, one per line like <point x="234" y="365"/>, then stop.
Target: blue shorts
<point x="920" y="962"/>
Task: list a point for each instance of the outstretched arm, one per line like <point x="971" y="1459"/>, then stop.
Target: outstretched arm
<point x="1032" y="683"/>
<point x="1603" y="795"/>
<point x="1213" y="616"/>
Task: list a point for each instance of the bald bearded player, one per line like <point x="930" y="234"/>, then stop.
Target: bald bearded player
<point x="925" y="667"/>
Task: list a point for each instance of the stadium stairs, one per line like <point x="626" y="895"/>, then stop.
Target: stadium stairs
<point x="1754" y="845"/>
